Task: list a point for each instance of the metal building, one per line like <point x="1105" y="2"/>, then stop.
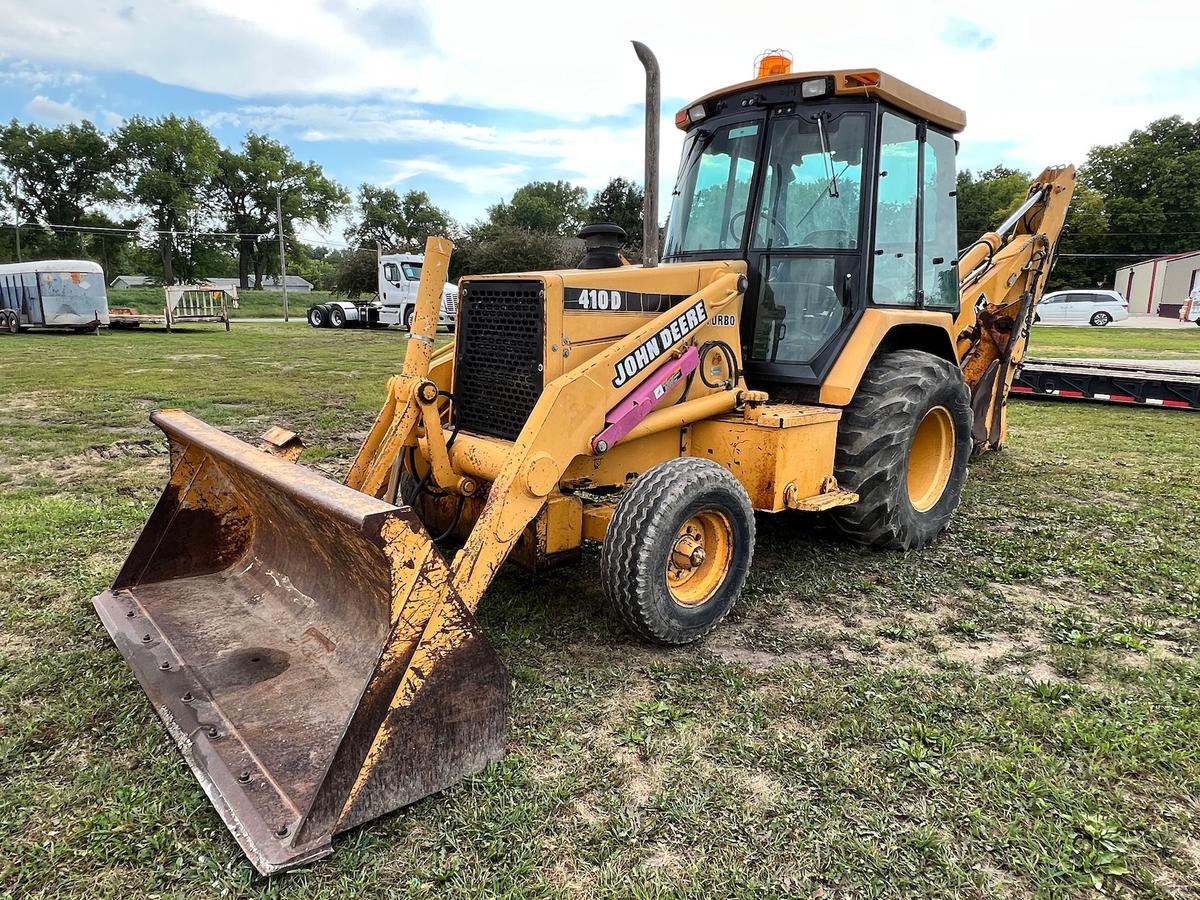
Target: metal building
<point x="1159" y="286"/>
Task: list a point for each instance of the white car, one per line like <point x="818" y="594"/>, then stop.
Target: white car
<point x="1082" y="308"/>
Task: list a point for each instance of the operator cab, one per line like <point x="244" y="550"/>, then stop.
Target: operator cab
<point x="837" y="189"/>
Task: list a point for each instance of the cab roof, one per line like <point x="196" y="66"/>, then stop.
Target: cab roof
<point x="861" y="83"/>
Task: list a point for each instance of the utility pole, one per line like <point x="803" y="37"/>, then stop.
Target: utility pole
<point x="282" y="254"/>
<point x="17" y="214"/>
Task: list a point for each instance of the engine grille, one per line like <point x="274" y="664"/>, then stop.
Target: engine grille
<point x="499" y="355"/>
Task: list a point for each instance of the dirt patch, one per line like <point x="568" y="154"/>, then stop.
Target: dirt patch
<point x="664" y="860"/>
<point x="14" y="647"/>
<point x="85" y="467"/>
<point x="28" y="402"/>
<point x="122" y="449"/>
<point x="755" y="660"/>
<point x="980" y="654"/>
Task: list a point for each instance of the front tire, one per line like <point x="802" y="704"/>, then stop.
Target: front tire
<point x="1101" y="319"/>
<point x="678" y="550"/>
<point x="903" y="446"/>
<point x="408" y="317"/>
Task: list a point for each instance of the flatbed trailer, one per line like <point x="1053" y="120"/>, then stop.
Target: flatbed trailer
<point x="1173" y="384"/>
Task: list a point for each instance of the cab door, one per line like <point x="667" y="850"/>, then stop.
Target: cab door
<point x="390" y="280"/>
<point x="804" y="252"/>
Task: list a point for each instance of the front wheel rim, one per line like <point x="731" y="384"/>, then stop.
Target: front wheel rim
<point x="699" y="559"/>
<point x="931" y="459"/>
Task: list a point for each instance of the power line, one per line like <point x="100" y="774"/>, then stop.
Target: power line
<point x="103" y="229"/>
<point x="1148" y="254"/>
<point x="1133" y="234"/>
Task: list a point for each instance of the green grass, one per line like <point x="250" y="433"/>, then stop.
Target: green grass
<point x="1115" y="343"/>
<point x="1014" y="711"/>
<point x="251" y="304"/>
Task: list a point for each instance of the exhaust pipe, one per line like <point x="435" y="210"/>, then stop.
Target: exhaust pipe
<point x="650" y="194"/>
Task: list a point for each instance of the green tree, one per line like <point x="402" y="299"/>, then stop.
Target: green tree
<point x="488" y="249"/>
<point x="167" y="165"/>
<point x="550" y="207"/>
<point x="1086" y="232"/>
<point x="246" y="185"/>
<point x="356" y="273"/>
<point x="316" y="264"/>
<point x="1151" y="188"/>
<point x="985" y="200"/>
<point x="55" y="176"/>
<point x="620" y="202"/>
<point x="396" y="223"/>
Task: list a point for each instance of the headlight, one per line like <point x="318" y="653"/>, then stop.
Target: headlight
<point x="813" y="88"/>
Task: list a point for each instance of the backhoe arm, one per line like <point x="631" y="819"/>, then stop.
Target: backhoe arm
<point x="1002" y="279"/>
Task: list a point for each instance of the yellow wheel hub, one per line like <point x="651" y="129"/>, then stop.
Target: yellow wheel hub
<point x="931" y="459"/>
<point x="700" y="558"/>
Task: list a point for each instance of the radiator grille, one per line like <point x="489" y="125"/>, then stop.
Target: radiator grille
<point x="499" y="355"/>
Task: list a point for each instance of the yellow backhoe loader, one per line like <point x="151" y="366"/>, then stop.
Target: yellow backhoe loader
<point x="811" y="340"/>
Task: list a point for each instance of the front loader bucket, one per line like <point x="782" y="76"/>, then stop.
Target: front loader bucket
<point x="303" y="644"/>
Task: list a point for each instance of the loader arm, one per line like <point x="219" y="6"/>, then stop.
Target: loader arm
<point x="1002" y="279"/>
<point x="569" y="414"/>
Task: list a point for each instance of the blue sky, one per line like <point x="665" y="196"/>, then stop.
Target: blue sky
<point x="470" y="100"/>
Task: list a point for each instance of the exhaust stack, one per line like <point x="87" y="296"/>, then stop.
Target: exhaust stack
<point x="653" y="117"/>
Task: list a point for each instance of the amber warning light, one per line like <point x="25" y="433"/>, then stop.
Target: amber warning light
<point x="773" y="62"/>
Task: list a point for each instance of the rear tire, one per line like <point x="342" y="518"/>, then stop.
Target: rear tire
<point x="678" y="550"/>
<point x="903" y="446"/>
<point x="316" y="316"/>
<point x="1100" y="319"/>
<point x="337" y="317"/>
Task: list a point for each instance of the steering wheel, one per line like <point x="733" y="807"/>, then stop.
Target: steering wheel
<point x="776" y="226"/>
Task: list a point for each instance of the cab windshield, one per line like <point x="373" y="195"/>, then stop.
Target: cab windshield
<point x="812" y="189"/>
<point x="708" y="210"/>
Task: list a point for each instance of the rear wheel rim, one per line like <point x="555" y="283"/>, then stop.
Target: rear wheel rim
<point x="931" y="459"/>
<point x="699" y="558"/>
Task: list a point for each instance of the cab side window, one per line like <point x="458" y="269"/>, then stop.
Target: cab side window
<point x="391" y="273"/>
<point x="939" y="250"/>
<point x="894" y="278"/>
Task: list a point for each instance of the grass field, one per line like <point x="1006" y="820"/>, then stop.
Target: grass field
<point x="1014" y="711"/>
<point x="1115" y="343"/>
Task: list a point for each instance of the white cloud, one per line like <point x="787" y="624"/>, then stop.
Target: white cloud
<point x="587" y="154"/>
<point x="61" y="112"/>
<point x="1035" y="92"/>
<point x="499" y="180"/>
<point x="25" y="73"/>
<point x="44" y="108"/>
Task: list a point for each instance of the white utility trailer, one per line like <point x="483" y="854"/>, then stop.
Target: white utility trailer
<point x="53" y="293"/>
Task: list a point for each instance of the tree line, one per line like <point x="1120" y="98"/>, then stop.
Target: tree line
<point x="195" y="208"/>
<point x="162" y="197"/>
<point x="1134" y="200"/>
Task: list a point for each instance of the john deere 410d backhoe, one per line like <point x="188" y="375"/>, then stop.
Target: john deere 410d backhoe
<point x="812" y="340"/>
